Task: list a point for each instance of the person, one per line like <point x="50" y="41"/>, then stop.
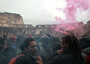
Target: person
<point x="28" y="55"/>
<point x="54" y="48"/>
<point x="45" y="50"/>
<point x="85" y="43"/>
<point x="10" y="53"/>
<point x="3" y="58"/>
<point x="71" y="53"/>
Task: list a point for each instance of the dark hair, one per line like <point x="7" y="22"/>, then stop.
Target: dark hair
<point x="5" y="37"/>
<point x="73" y="44"/>
<point x="1" y="40"/>
<point x="85" y="42"/>
<point x="26" y="43"/>
<point x="45" y="41"/>
<point x="1" y="43"/>
<point x="55" y="46"/>
<point x="22" y="47"/>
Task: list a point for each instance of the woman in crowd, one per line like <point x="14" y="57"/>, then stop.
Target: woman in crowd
<point x="71" y="53"/>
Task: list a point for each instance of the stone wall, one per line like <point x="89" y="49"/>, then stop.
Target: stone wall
<point x="10" y="18"/>
<point x="25" y="29"/>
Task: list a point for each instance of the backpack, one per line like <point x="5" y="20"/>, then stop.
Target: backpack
<point x="13" y="60"/>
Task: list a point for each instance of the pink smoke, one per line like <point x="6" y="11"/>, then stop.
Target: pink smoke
<point x="66" y="27"/>
<point x="70" y="11"/>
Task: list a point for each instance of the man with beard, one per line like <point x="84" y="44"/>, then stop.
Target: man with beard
<point x="28" y="55"/>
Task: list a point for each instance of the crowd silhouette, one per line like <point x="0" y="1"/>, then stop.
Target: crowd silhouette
<point x="45" y="46"/>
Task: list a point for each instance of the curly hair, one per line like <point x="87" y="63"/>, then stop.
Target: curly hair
<point x="73" y="44"/>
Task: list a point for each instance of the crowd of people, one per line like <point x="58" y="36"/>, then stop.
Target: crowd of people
<point x="46" y="48"/>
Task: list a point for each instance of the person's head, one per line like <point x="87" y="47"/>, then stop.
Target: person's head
<point x="85" y="41"/>
<point x="45" y="41"/>
<point x="70" y="42"/>
<point x="5" y="37"/>
<point x="1" y="44"/>
<point x="55" y="46"/>
<point x="13" y="39"/>
<point x="29" y="45"/>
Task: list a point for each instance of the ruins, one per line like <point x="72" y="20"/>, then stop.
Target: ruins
<point x="12" y="24"/>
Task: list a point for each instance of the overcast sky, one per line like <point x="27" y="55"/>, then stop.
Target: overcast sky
<point x="37" y="11"/>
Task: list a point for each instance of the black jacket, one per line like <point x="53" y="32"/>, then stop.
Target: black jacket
<point x="64" y="58"/>
<point x="3" y="59"/>
<point x="26" y="59"/>
<point x="85" y="41"/>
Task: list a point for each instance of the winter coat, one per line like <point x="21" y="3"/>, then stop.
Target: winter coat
<point x="26" y="59"/>
<point x="65" y="57"/>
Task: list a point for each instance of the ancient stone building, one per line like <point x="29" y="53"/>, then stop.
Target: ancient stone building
<point x="10" y="18"/>
<point x="12" y="24"/>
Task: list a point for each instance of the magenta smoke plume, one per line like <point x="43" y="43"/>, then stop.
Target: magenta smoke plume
<point x="70" y="11"/>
